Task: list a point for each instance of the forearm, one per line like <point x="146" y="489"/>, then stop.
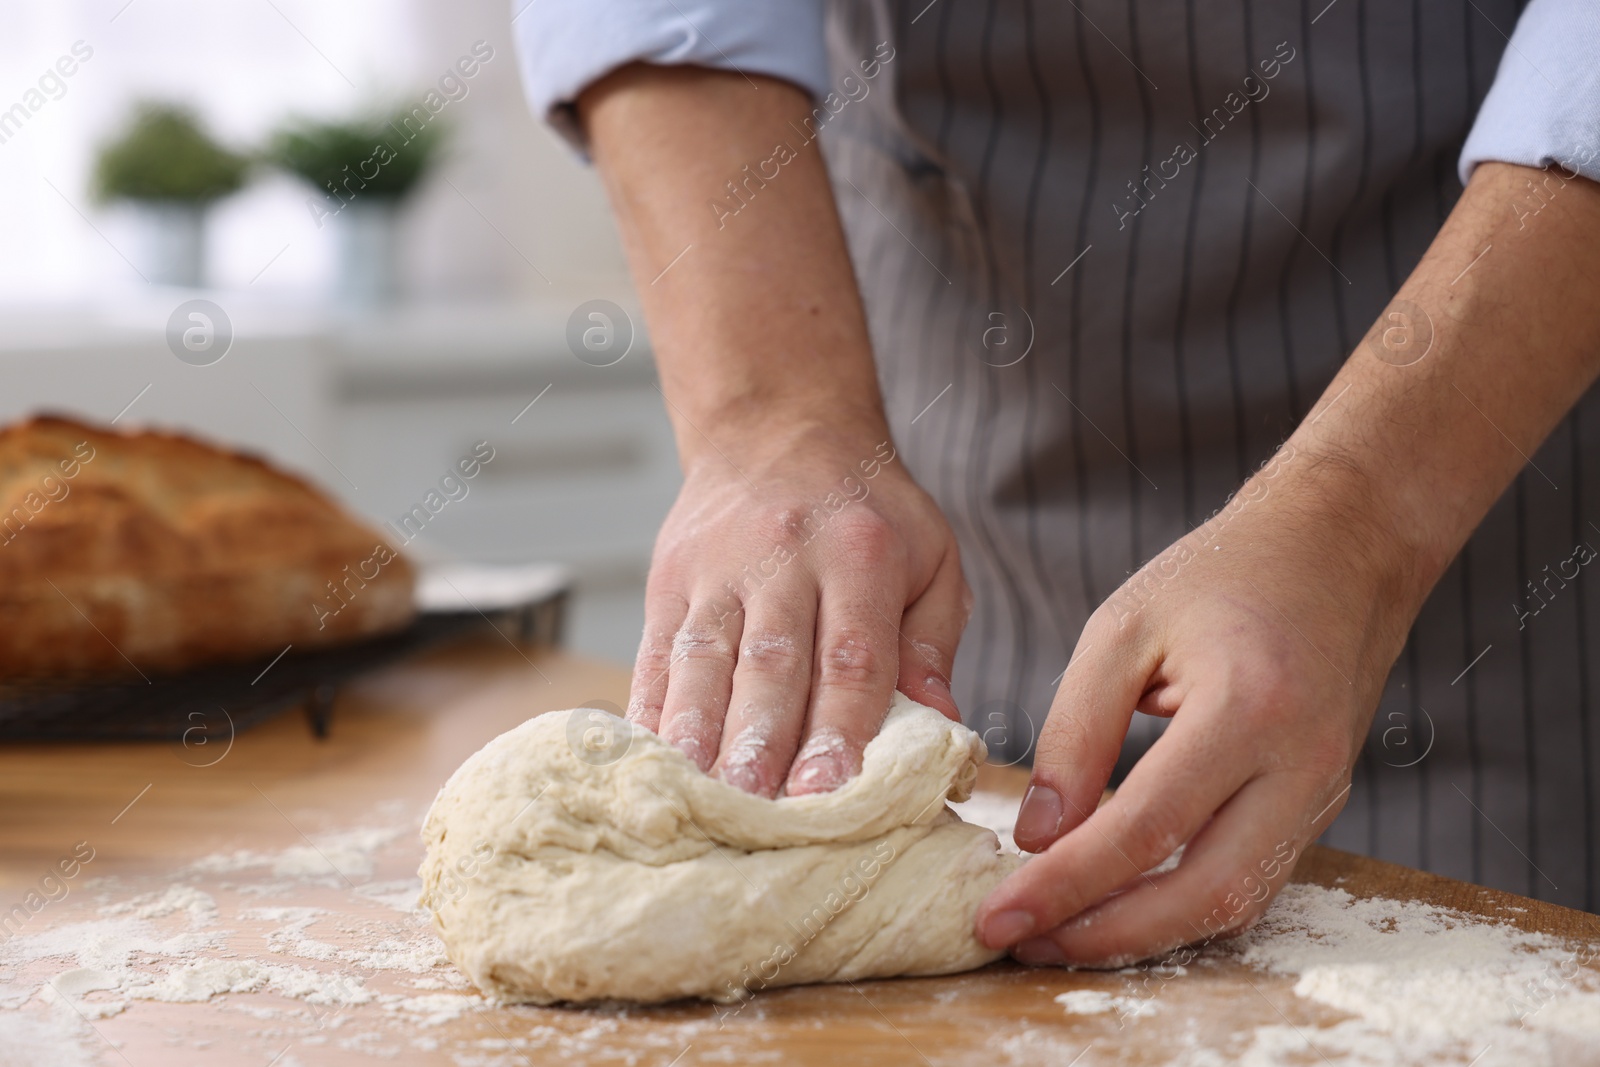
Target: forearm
<point x="755" y="318"/>
<point x="1415" y="453"/>
<point x="778" y="620"/>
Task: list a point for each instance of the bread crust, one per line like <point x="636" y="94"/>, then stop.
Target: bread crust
<point x="156" y="551"/>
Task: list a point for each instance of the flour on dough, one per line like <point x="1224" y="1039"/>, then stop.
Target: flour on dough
<point x="579" y="858"/>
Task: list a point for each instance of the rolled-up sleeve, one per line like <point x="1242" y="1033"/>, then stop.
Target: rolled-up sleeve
<point x="1544" y="105"/>
<point x="564" y="45"/>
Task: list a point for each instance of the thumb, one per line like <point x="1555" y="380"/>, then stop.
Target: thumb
<point x="929" y="632"/>
<point x="1082" y="737"/>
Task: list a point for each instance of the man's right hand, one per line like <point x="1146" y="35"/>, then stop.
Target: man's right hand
<point x="802" y="575"/>
<point x="787" y="600"/>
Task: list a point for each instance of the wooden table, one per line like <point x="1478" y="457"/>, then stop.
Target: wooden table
<point x="151" y="811"/>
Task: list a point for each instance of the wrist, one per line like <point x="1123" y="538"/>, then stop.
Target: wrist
<point x="761" y="437"/>
<point x="1354" y="530"/>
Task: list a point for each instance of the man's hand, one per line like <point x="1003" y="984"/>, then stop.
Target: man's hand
<point x="788" y="599"/>
<point x="801" y="574"/>
<point x="1267" y="634"/>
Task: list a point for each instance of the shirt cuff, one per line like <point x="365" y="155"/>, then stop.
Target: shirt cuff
<point x="1544" y="105"/>
<point x="565" y="45"/>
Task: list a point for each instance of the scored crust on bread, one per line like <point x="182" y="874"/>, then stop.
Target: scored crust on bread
<point x="156" y="551"/>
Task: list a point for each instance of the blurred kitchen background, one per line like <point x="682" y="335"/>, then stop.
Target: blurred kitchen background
<point x="369" y="336"/>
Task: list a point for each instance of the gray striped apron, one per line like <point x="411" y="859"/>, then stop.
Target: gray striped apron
<point x="1119" y="190"/>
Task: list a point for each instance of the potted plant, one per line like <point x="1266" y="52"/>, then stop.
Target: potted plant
<point x="362" y="169"/>
<point x="166" y="165"/>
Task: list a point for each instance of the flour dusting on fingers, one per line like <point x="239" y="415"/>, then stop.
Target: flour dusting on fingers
<point x="822" y="763"/>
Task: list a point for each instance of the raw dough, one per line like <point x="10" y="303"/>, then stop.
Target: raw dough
<point x="578" y="858"/>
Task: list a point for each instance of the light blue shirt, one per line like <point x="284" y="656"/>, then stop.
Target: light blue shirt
<point x="564" y="45"/>
<point x="1544" y="105"/>
<point x="1543" y="108"/>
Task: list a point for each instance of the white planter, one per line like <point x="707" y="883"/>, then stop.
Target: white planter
<point x="172" y="241"/>
<point x="368" y="244"/>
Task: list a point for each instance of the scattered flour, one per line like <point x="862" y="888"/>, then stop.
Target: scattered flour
<point x="1033" y="1045"/>
<point x="172" y="945"/>
<point x="58" y="1038"/>
<point x="328" y="858"/>
<point x="417" y="956"/>
<point x="435" y="1008"/>
<point x="1096" y="1002"/>
<point x="380" y="950"/>
<point x="291" y="938"/>
<point x="69" y="988"/>
<point x="400" y="895"/>
<point x="109" y="944"/>
<point x="200" y="907"/>
<point x="203" y="979"/>
<point x="1422" y="984"/>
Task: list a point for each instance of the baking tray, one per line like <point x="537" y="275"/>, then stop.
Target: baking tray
<point x="210" y="704"/>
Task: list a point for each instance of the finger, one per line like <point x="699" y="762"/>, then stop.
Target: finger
<point x="1082" y="737"/>
<point x="1161" y="701"/>
<point x="771" y="684"/>
<point x="1229" y="874"/>
<point x="700" y="680"/>
<point x="1185" y="777"/>
<point x="663" y="615"/>
<point x="855" y="664"/>
<point x="929" y="633"/>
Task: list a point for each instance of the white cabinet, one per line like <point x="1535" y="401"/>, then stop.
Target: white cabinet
<point x="584" y="476"/>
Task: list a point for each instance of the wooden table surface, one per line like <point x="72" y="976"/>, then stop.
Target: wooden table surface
<point x="152" y="813"/>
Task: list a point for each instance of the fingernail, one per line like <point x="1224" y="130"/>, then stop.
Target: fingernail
<point x="1039" y="952"/>
<point x="742" y="776"/>
<point x="1039" y="818"/>
<point x="820" y="773"/>
<point x="691" y="747"/>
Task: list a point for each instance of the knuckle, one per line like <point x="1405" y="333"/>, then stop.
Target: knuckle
<point x="792" y="525"/>
<point x="647" y="697"/>
<point x="700" y="644"/>
<point x="868" y="537"/>
<point x="653" y="659"/>
<point x="767" y="652"/>
<point x="655" y="648"/>
<point x="850" y="660"/>
<point x="644" y="709"/>
<point x="655" y="652"/>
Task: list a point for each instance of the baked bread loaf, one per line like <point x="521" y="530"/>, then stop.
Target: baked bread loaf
<point x="155" y="552"/>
